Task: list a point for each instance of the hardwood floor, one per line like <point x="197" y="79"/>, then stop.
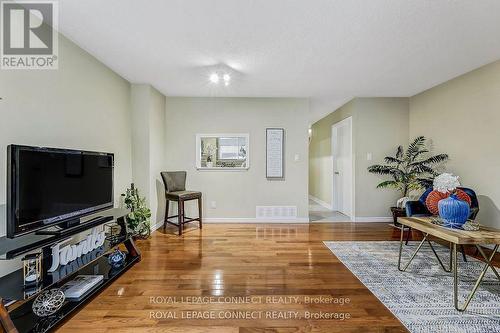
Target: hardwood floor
<point x="252" y="264"/>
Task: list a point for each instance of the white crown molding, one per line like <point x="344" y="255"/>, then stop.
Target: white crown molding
<point x="321" y="202"/>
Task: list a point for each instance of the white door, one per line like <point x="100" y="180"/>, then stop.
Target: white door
<point x="342" y="167"/>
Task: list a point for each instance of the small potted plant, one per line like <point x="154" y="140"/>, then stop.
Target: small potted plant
<point x="209" y="152"/>
<point x="139" y="218"/>
<point x="410" y="170"/>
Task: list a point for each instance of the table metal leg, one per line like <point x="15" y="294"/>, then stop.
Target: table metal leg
<point x="408" y="234"/>
<point x="490" y="259"/>
<point x="455" y="277"/>
<point x="400" y="246"/>
<point x="447" y="270"/>
<point x="416" y="251"/>
<point x="479" y="279"/>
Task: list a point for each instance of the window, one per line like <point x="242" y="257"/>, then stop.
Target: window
<point x="222" y="151"/>
<point x="232" y="148"/>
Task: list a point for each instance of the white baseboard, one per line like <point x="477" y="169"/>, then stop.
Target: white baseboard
<point x="321" y="202"/>
<point x="253" y="220"/>
<point x="157" y="226"/>
<point x="256" y="220"/>
<point x="241" y="220"/>
<point x="373" y="219"/>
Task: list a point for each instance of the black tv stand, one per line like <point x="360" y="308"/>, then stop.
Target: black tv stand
<point x="19" y="317"/>
<point x="73" y="226"/>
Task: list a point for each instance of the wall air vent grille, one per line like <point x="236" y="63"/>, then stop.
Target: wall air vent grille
<point x="276" y="212"/>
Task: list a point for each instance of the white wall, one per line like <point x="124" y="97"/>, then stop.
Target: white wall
<point x="462" y="117"/>
<point x="83" y="105"/>
<point x="237" y="193"/>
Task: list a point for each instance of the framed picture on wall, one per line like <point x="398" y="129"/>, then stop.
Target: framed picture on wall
<point x="275" y="153"/>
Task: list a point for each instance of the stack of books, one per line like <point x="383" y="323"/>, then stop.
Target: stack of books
<point x="75" y="289"/>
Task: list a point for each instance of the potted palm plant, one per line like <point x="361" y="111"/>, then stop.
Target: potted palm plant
<point x="410" y="170"/>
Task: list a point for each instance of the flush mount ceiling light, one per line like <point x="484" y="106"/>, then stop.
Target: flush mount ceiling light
<point x="215" y="78"/>
<point x="227" y="79"/>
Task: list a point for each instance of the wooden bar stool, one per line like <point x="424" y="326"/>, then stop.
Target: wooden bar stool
<point x="175" y="190"/>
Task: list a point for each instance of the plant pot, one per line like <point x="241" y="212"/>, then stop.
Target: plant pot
<point x="210" y="164"/>
<point x="397" y="212"/>
<point x="453" y="211"/>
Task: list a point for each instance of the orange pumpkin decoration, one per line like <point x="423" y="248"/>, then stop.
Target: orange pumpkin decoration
<point x="435" y="196"/>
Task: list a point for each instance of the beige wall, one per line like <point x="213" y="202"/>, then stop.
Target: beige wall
<point x="462" y="117"/>
<point x="237" y="193"/>
<point x="148" y="146"/>
<point x="140" y="98"/>
<point x="379" y="125"/>
<point x="83" y="105"/>
<point x="158" y="146"/>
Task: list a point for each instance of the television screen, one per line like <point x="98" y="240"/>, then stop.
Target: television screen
<point x="49" y="185"/>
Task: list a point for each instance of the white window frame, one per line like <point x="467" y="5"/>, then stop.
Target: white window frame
<point x="219" y="135"/>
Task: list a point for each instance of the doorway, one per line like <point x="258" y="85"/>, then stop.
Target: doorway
<point x="342" y="168"/>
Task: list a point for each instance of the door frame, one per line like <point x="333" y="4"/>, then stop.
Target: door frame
<point x="343" y="122"/>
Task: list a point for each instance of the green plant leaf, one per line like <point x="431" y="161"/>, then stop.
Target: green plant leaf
<point x="422" y="168"/>
<point x="415" y="146"/>
<point x="381" y="169"/>
<point x="425" y="182"/>
<point x="400" y="152"/>
<point x="435" y="159"/>
<point x="393" y="160"/>
<point x="420" y="152"/>
<point x="138" y="220"/>
<point x="411" y="169"/>
<point x="388" y="183"/>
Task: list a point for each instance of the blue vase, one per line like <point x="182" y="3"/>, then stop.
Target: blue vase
<point x="453" y="211"/>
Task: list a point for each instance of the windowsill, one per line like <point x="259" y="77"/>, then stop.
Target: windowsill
<point x="222" y="168"/>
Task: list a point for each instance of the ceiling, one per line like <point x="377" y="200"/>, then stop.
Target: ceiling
<point x="327" y="50"/>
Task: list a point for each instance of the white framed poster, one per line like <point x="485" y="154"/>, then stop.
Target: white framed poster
<point x="275" y="146"/>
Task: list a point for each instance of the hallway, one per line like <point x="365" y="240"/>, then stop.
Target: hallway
<point x="319" y="213"/>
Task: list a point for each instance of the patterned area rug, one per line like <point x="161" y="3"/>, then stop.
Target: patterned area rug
<point x="422" y="297"/>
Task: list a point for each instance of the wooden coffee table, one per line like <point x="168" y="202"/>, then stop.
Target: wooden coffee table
<point x="455" y="237"/>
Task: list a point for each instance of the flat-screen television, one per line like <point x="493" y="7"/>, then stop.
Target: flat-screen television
<point x="47" y="186"/>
